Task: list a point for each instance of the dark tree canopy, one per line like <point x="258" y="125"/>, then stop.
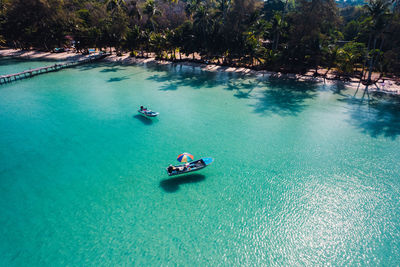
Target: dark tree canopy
<point x="273" y="34"/>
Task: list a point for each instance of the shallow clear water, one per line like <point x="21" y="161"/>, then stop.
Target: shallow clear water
<point x="15" y="65"/>
<point x="303" y="175"/>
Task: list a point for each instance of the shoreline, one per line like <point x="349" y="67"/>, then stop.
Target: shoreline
<point x="390" y="88"/>
<point x="40" y="55"/>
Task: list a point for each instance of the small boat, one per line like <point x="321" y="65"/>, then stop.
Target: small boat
<point x="189" y="167"/>
<point x="148" y="112"/>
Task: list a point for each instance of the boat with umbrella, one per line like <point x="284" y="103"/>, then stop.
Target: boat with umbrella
<point x="189" y="166"/>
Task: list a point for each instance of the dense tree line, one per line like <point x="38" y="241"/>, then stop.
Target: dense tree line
<point x="295" y="35"/>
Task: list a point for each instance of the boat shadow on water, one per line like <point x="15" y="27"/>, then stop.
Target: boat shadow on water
<point x="143" y="119"/>
<point x="172" y="185"/>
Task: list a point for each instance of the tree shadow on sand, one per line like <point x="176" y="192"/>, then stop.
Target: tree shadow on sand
<point x="376" y="118"/>
<point x="284" y="97"/>
<point x="172" y="185"/>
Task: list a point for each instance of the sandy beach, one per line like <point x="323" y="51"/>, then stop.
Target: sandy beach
<point x="386" y="86"/>
<point x="34" y="54"/>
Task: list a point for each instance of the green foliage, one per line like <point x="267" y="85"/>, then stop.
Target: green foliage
<point x="36" y="23"/>
<point x="273" y="34"/>
<point x="157" y="44"/>
<point x="351" y="30"/>
<point x="349" y="55"/>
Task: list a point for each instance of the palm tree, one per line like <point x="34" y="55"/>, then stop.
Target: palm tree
<point x="114" y="5"/>
<point x="150" y="9"/>
<point x="279" y="21"/>
<point x="133" y="10"/>
<point x="191" y="6"/>
<point x="133" y="38"/>
<point x="144" y="39"/>
<point x="157" y="43"/>
<point x="185" y="39"/>
<point x="377" y="11"/>
<point x="396" y="5"/>
<point x="277" y="25"/>
<point x="330" y="56"/>
<point x="202" y="26"/>
<point x="171" y="42"/>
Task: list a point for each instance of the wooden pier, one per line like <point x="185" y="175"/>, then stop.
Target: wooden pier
<point x="56" y="67"/>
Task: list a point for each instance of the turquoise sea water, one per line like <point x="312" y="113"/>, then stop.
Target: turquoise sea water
<point x="15" y="65"/>
<point x="303" y="174"/>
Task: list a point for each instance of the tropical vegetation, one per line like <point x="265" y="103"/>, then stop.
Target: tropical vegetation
<point x="350" y="37"/>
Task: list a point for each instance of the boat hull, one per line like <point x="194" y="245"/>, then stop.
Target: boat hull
<point x="149" y="114"/>
<point x="193" y="166"/>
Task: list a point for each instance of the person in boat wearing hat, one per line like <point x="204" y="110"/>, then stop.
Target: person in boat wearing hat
<point x="187" y="166"/>
<point x="171" y="168"/>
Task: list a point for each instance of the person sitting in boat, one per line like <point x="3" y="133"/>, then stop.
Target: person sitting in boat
<point x="187" y="166"/>
<point x="181" y="168"/>
<point x="143" y="108"/>
<point x="170" y="168"/>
